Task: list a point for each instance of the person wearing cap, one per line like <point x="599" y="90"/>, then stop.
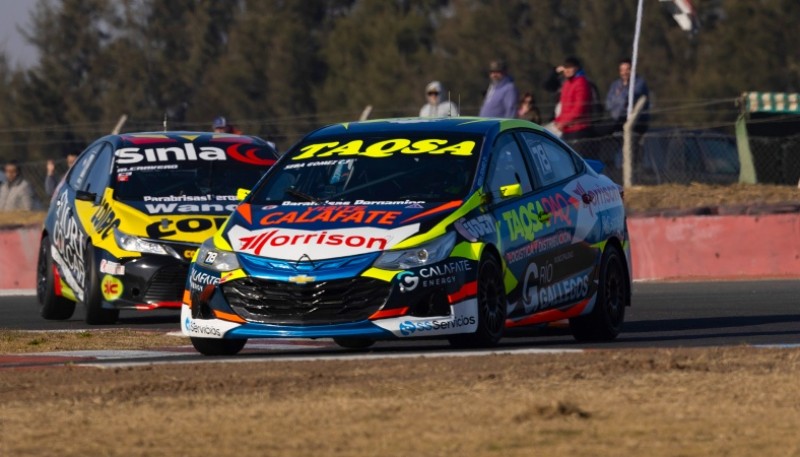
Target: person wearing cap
<point x="221" y="125"/>
<point x="437" y="106"/>
<point x="576" y="102"/>
<point x="501" y="96"/>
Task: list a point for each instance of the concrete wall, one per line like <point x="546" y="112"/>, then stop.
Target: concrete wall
<point x="685" y="247"/>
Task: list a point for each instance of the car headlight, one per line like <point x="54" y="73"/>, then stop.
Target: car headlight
<point x="135" y="244"/>
<point x="425" y="254"/>
<point x="216" y="259"/>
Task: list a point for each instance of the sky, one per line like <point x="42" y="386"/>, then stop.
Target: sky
<point x="13" y="13"/>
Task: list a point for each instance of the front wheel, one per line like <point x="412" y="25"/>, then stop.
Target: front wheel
<point x="215" y="347"/>
<point x="491" y="307"/>
<point x="605" y="321"/>
<point x="52" y="306"/>
<point x="92" y="297"/>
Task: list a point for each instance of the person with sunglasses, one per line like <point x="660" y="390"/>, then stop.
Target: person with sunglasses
<point x="438" y="102"/>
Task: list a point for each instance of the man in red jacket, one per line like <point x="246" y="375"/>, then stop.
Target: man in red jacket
<point x="576" y="102"/>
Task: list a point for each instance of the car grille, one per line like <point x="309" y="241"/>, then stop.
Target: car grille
<point x="167" y="284"/>
<point x="323" y="302"/>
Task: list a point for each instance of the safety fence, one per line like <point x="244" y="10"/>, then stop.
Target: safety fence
<point x="683" y="157"/>
<point x="674" y="157"/>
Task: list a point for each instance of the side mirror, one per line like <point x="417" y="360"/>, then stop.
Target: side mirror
<point x="512" y="190"/>
<point x="241" y="194"/>
<point x="85" y="196"/>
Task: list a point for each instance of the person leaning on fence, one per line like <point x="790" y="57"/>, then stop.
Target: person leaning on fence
<point x="617" y="99"/>
<point x="576" y="103"/>
<point x="50" y="180"/>
<point x="16" y="193"/>
<point x="501" y="96"/>
<point x="437" y="105"/>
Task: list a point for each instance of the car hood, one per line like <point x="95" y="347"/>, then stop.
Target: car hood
<point x="290" y="232"/>
<point x="187" y="222"/>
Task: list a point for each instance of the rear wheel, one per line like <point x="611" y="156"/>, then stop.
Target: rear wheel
<point x="52" y="306"/>
<point x="491" y="307"/>
<point x="92" y="297"/>
<point x="354" y="343"/>
<point x="211" y="346"/>
<point x="605" y="321"/>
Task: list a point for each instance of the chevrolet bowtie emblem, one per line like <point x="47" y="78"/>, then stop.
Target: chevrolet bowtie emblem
<point x="301" y="279"/>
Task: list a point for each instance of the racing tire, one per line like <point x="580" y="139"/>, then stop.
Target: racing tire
<point x="492" y="308"/>
<point x="354" y="343"/>
<point x="92" y="297"/>
<point x="52" y="306"/>
<point x="217" y="347"/>
<point x="605" y="320"/>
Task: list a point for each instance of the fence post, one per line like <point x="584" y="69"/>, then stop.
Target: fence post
<point x="627" y="142"/>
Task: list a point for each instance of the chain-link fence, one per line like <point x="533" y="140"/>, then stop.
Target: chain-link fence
<point x="682" y="157"/>
<point x="676" y="157"/>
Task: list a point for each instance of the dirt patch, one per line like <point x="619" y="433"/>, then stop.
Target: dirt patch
<point x="732" y="402"/>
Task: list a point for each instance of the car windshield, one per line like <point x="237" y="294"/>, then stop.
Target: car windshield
<point x="205" y="171"/>
<point x="385" y="168"/>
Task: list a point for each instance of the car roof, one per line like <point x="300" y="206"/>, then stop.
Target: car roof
<point x="141" y="138"/>
<point x="469" y="125"/>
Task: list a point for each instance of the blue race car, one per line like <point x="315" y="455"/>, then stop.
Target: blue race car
<point x="456" y="228"/>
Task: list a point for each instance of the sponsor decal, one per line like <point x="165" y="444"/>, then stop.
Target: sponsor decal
<point x="111" y="287"/>
<point x="475" y="228"/>
<point x="193" y="327"/>
<point x="199" y="280"/>
<point x="189" y="253"/>
<point x="179" y="153"/>
<point x="407" y="281"/>
<point x="67" y="243"/>
<point x="385" y="148"/>
<point x="409" y="328"/>
<point x="525" y="221"/>
<point x="111" y="268"/>
<point x="596" y="197"/>
<point x="190" y="198"/>
<point x="104" y="219"/>
<point x="324" y="244"/>
<point x="538" y="246"/>
<point x="168" y="227"/>
<point x="536" y="296"/>
<point x="170" y="208"/>
<point x="341" y="214"/>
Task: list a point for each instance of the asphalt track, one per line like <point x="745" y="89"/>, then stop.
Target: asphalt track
<point x="663" y="315"/>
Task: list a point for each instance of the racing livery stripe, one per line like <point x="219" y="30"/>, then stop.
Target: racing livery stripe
<point x="439" y="208"/>
<point x="441" y="228"/>
<point x="227" y="316"/>
<point x="384" y="313"/>
<point x="187" y="297"/>
<point x="468" y="250"/>
<point x="469" y="289"/>
<point x="551" y="315"/>
<point x="379" y="273"/>
<point x="245" y="210"/>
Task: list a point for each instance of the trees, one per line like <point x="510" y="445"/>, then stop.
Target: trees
<point x="281" y="68"/>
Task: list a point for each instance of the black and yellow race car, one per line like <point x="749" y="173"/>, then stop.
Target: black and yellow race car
<point x="127" y="218"/>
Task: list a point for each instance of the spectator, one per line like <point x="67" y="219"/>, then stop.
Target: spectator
<point x="501" y="96"/>
<point x="15" y="193"/>
<point x="527" y="109"/>
<point x="221" y="125"/>
<point x="50" y="181"/>
<point x="617" y="99"/>
<point x="436" y="106"/>
<point x="573" y="121"/>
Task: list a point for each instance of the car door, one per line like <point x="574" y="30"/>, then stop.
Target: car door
<point x="522" y="221"/>
<point x="565" y="253"/>
<point x="69" y="235"/>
